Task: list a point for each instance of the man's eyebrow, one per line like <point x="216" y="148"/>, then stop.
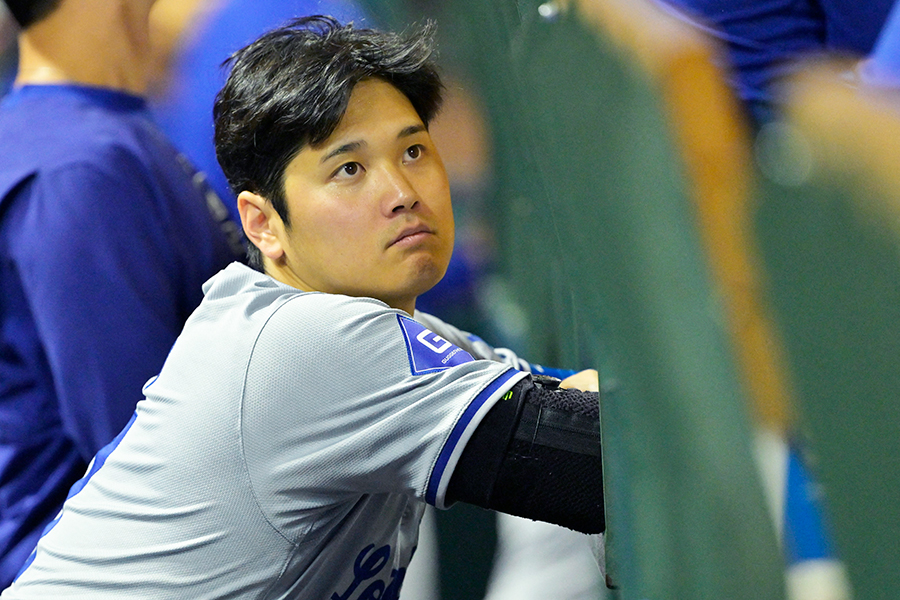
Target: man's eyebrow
<point x="411" y="130"/>
<point x="351" y="146"/>
<point x="343" y="149"/>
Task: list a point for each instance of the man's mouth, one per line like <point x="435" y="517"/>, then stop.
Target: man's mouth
<point x="412" y="235"/>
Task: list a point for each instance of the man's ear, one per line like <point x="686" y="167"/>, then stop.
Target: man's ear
<point x="262" y="224"/>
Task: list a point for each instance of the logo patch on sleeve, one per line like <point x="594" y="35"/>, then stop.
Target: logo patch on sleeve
<point x="427" y="351"/>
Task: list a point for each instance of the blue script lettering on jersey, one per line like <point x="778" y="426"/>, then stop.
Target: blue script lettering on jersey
<point x="427" y="351"/>
<point x="367" y="565"/>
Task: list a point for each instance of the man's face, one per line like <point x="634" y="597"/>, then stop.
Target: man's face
<point x="370" y="208"/>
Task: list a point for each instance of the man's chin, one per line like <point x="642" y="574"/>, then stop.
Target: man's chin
<point x="428" y="276"/>
<point x="421" y="280"/>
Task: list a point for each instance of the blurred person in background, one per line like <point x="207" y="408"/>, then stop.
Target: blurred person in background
<point x="106" y="237"/>
<point x="763" y="39"/>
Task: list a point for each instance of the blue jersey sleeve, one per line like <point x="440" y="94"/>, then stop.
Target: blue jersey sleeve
<point x="98" y="278"/>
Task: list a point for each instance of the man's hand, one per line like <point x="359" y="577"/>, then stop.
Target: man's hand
<point x="586" y="381"/>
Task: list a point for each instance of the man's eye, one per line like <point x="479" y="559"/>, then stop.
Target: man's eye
<point x="414" y="152"/>
<point x="350" y="169"/>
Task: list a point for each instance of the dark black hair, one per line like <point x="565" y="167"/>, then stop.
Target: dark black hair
<point x="290" y="88"/>
<point x="28" y="12"/>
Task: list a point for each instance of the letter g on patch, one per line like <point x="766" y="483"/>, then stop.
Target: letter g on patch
<point x="432" y="343"/>
<point x="427" y="351"/>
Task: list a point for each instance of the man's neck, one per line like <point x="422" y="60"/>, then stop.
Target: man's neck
<point x="82" y="44"/>
<point x="280" y="272"/>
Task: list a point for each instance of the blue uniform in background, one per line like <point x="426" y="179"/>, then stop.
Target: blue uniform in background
<point x="761" y="37"/>
<point x="106" y="238"/>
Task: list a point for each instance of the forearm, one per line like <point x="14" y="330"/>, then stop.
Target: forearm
<point x="537" y="455"/>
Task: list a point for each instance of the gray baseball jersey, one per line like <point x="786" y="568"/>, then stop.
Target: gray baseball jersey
<point x="285" y="450"/>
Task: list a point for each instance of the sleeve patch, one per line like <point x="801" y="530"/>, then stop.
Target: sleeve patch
<point x="427" y="351"/>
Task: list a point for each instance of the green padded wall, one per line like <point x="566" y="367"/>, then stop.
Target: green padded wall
<point x="832" y="256"/>
<point x="687" y="518"/>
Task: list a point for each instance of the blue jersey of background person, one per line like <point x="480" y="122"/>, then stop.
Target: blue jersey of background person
<point x="762" y="37"/>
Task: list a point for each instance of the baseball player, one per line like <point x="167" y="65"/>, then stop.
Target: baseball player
<point x="307" y="412"/>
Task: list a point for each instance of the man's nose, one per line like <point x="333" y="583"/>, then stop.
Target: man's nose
<point x="399" y="192"/>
